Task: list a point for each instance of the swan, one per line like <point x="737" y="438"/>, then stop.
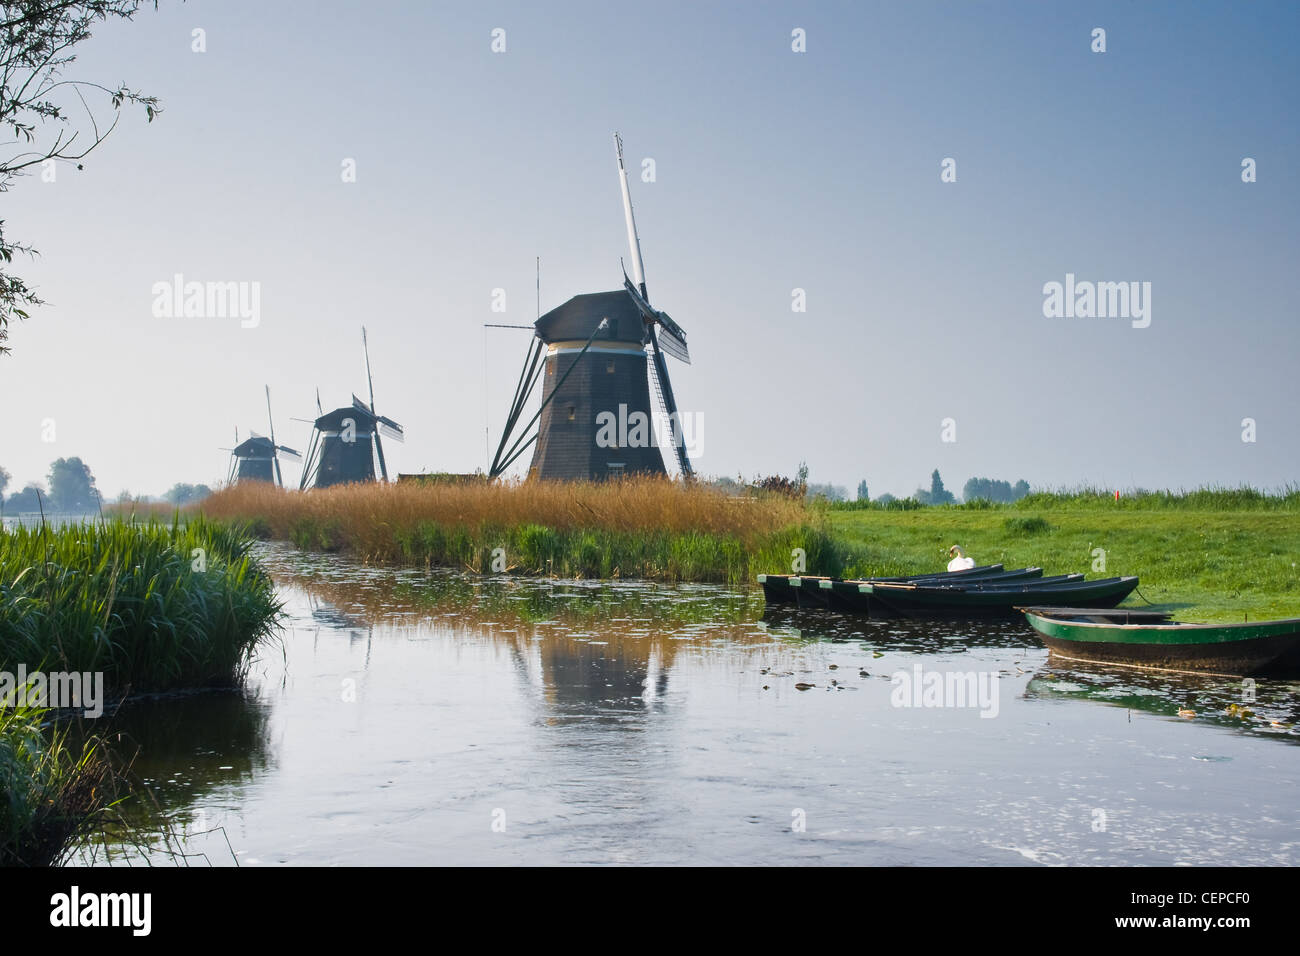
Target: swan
<point x="960" y="562"/>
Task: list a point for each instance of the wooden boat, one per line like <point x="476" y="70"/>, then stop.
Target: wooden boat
<point x="785" y="588"/>
<point x="849" y="595"/>
<point x="1151" y="640"/>
<point x="985" y="599"/>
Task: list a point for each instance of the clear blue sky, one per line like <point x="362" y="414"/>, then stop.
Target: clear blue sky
<point x="775" y="170"/>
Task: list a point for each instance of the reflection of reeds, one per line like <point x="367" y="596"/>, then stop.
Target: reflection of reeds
<point x="51" y="792"/>
<point x="635" y="528"/>
<point x="627" y="625"/>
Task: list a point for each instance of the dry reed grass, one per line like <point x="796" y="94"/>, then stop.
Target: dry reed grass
<point x="642" y="527"/>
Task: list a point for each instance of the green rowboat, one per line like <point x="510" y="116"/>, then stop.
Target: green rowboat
<point x="1249" y="648"/>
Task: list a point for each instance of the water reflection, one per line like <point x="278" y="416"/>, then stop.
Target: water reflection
<point x="182" y="751"/>
<point x="1266" y="707"/>
<point x="634" y="722"/>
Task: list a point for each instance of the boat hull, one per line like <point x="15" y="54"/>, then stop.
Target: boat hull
<point x="1247" y="649"/>
<point x="998" y="600"/>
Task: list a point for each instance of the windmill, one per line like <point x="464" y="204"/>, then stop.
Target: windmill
<point x="345" y="442"/>
<point x="596" y="419"/>
<point x="258" y="457"/>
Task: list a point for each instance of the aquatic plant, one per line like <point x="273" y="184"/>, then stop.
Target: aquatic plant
<point x="153" y="607"/>
<point x="51" y="793"/>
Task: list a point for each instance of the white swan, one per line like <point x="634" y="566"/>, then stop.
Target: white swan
<point x="960" y="562"/>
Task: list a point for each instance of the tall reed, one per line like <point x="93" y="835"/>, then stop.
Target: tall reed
<point x="154" y="607"/>
<point x="637" y="527"/>
<point x="50" y="793"/>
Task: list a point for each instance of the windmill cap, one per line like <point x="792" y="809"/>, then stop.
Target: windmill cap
<point x="578" y="318"/>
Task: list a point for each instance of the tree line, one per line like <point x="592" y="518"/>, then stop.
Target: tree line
<point x="70" y="488"/>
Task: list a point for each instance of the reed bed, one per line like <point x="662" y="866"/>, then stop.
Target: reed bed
<point x="637" y="527"/>
<point x="51" y="793"/>
<point x="153" y="607"/>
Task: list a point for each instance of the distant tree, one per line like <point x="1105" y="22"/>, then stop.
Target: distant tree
<point x="26" y="500"/>
<point x="937" y="495"/>
<point x="72" y="486"/>
<point x="36" y="42"/>
<point x="828" y="491"/>
<point x="863" y="494"/>
<point x="886" y="498"/>
<point x="801" y="476"/>
<point x="5" y="478"/>
<point x="182" y="494"/>
<point x="994" y="490"/>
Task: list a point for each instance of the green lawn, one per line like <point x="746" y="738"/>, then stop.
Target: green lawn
<point x="1208" y="565"/>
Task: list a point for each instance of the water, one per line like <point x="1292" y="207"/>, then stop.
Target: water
<point x="410" y="717"/>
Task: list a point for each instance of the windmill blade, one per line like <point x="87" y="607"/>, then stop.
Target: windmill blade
<point x="319" y="410"/>
<point x="670" y="406"/>
<point x="390" y="428"/>
<point x="287" y="452"/>
<point x="369" y="380"/>
<point x="672" y="342"/>
<point x="309" y="421"/>
<point x="270" y="421"/>
<point x="672" y="338"/>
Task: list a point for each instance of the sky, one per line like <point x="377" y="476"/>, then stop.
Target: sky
<point x="924" y="343"/>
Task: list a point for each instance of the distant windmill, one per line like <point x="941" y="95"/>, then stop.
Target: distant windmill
<point x="258" y="458"/>
<point x="345" y="442"/>
<point x="597" y="375"/>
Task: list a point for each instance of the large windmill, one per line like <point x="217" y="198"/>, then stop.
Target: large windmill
<point x="345" y="443"/>
<point x="258" y="458"/>
<point x="596" y="419"/>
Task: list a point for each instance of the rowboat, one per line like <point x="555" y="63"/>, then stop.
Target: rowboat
<point x="997" y="599"/>
<point x="786" y="588"/>
<point x="850" y="595"/>
<point x="1150" y="639"/>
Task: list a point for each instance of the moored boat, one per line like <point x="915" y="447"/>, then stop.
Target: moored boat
<point x="1151" y="640"/>
<point x="786" y="588"/>
<point x="849" y="595"/>
<point x="997" y="599"/>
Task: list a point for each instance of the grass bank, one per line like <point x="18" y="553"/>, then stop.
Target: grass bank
<point x="151" y="607"/>
<point x="1215" y="556"/>
<point x="636" y="528"/>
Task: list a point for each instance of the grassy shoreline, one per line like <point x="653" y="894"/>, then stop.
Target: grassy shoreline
<point x="1214" y="554"/>
<point x="1211" y="564"/>
<point x="150" y="607"/>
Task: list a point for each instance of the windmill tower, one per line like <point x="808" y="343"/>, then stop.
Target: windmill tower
<point x="345" y="443"/>
<point x="597" y="420"/>
<point x="258" y="457"/>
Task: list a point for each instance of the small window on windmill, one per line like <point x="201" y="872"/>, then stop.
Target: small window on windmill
<point x="616" y="469"/>
<point x="573" y="413"/>
<point x="609" y="367"/>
